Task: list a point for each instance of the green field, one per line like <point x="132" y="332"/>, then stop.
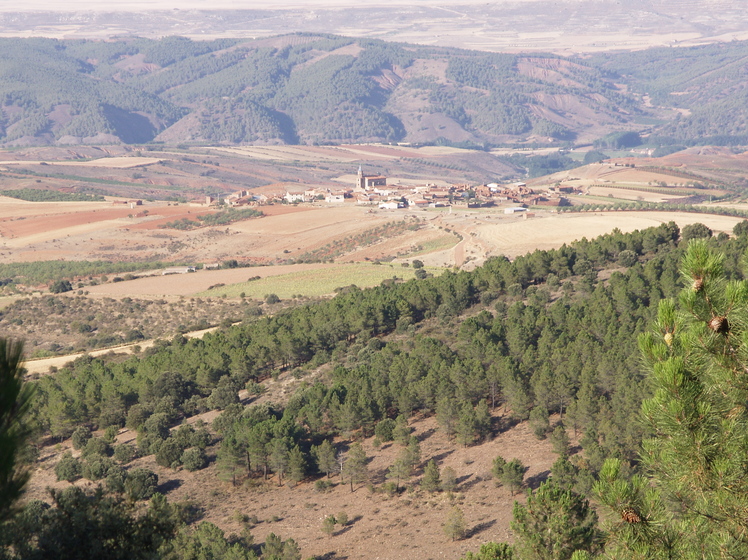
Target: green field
<point x="318" y="282"/>
<point x="438" y="244"/>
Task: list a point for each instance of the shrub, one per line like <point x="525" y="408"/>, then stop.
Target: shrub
<point x="68" y="468"/>
<point x="124" y="453"/>
<point x="384" y="429"/>
<point x="97" y="446"/>
<point x="80" y="437"/>
<point x="194" y="459"/>
<point x="141" y="484"/>
<point x="169" y="454"/>
<point x="97" y="467"/>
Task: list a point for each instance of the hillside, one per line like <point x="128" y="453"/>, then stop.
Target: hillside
<point x="317" y="89"/>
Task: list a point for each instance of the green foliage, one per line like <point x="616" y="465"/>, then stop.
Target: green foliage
<point x="695" y="455"/>
<point x="740" y="229"/>
<point x="593" y="156"/>
<point x="431" y="480"/>
<point x="539" y="421"/>
<point x="207" y="541"/>
<point x="560" y="440"/>
<point x="455" y="526"/>
<point x="140" y="484"/>
<point x="68" y="468"/>
<point x="324" y="454"/>
<point x="513" y="474"/>
<point x="60" y="287"/>
<point x="355" y="467"/>
<point x="328" y="525"/>
<point x="15" y="400"/>
<point x="46" y="195"/>
<point x="194" y="459"/>
<point x="80" y="524"/>
<point x="449" y="479"/>
<point x="554" y="523"/>
<point x="695" y="231"/>
<point x="492" y="551"/>
<point x="222" y="218"/>
<point x="40" y="272"/>
<point x="80" y="437"/>
<point x="619" y="141"/>
<point x="384" y="429"/>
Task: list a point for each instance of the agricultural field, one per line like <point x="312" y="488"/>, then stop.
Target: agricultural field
<point x="323" y="281"/>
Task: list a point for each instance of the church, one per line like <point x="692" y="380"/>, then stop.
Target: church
<point x="366" y="182"/>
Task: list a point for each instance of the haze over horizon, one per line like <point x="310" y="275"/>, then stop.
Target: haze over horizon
<point x="563" y="27"/>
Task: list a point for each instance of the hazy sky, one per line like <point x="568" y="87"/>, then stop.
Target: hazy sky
<point x="144" y="5"/>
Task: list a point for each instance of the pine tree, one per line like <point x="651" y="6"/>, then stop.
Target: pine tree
<point x="560" y="441"/>
<point x="328" y="525"/>
<point x="449" y="479"/>
<point x="355" y="467"/>
<point x="296" y="465"/>
<point x="512" y="475"/>
<point x="554" y="523"/>
<point x="492" y="551"/>
<point x="455" y="526"/>
<point x="279" y="457"/>
<point x="447" y="415"/>
<point x="466" y="424"/>
<point x="400" y="469"/>
<point x="324" y="453"/>
<point x="14" y="403"/>
<point x="401" y="431"/>
<point x="695" y="504"/>
<point x="431" y="481"/>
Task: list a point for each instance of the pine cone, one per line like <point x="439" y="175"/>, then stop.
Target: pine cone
<point x="698" y="284"/>
<point x="629" y="515"/>
<point x="719" y="325"/>
<point x="669" y="339"/>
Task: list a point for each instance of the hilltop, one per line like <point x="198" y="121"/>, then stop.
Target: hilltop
<point x="325" y="89"/>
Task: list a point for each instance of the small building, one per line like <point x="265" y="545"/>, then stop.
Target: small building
<point x="293" y="197"/>
<point x="391" y="205"/>
<point x="177" y="270"/>
<point x="514" y="210"/>
<point x="335" y="198"/>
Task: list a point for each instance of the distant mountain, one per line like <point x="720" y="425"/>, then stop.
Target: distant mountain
<point x="317" y="89"/>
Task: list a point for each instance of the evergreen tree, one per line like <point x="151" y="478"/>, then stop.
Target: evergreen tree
<point x="401" y="431"/>
<point x="324" y="454"/>
<point x="355" y="467"/>
<point x="564" y="473"/>
<point x="447" y="414"/>
<point x="14" y="404"/>
<point x="279" y="455"/>
<point x="400" y="469"/>
<point x="296" y="465"/>
<point x="455" y="526"/>
<point x="697" y="455"/>
<point x="492" y="551"/>
<point x="512" y="475"/>
<point x="553" y="524"/>
<point x="466" y="425"/>
<point x="560" y="441"/>
<point x="449" y="479"/>
<point x="431" y="482"/>
<point x="328" y="525"/>
<point x="497" y="469"/>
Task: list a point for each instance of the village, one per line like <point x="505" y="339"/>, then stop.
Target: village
<point x="373" y="190"/>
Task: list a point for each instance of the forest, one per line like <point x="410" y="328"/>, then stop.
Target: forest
<point x="328" y="89"/>
<point x="550" y="335"/>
